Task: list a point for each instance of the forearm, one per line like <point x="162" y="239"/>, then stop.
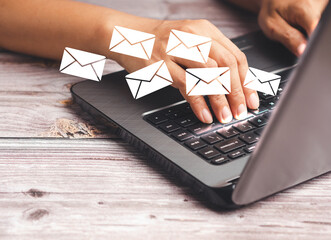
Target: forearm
<point x="44" y="28"/>
<point x="251" y="5"/>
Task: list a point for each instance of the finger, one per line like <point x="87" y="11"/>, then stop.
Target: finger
<point x="221" y="108"/>
<point x="302" y="15"/>
<point x="278" y="29"/>
<point x="308" y="22"/>
<point x="197" y="103"/>
<point x="252" y="99"/>
<point x="236" y="98"/>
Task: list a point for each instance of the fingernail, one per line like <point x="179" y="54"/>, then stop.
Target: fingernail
<point x="242" y="112"/>
<point x="206" y="116"/>
<point x="253" y="101"/>
<point x="301" y="48"/>
<point x="226" y="115"/>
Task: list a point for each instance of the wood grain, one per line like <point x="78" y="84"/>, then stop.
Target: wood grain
<point x="95" y="186"/>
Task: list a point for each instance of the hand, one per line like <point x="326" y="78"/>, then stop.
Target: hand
<point x="223" y="54"/>
<point x="282" y="21"/>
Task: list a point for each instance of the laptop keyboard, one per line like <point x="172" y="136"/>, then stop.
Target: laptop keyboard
<point x="216" y="143"/>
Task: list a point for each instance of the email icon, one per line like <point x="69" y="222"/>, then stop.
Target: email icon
<point x="131" y="42"/>
<point x="208" y="81"/>
<point x="262" y="81"/>
<point x="149" y="79"/>
<point x="188" y="46"/>
<point x="82" y="64"/>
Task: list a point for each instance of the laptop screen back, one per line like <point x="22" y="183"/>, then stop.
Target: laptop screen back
<point x="295" y="146"/>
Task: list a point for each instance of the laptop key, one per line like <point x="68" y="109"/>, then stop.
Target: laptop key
<point x="182" y="135"/>
<point x="267" y="115"/>
<point x="250" y="149"/>
<point x="169" y="127"/>
<point x="187" y="121"/>
<point x="260" y="110"/>
<point x="249" y="138"/>
<point x="168" y="111"/>
<point x="265" y="96"/>
<point x="157" y="118"/>
<point x="186" y="108"/>
<point x="195" y="144"/>
<point x="219" y="160"/>
<point x="209" y="153"/>
<point x="258" y="121"/>
<point x="201" y="128"/>
<point x="285" y="75"/>
<point x="228" y="132"/>
<point x="244" y="126"/>
<point x="259" y="131"/>
<point x="176" y="115"/>
<point x="236" y="154"/>
<point x="280" y="89"/>
<point x="229" y="145"/>
<point x="212" y="138"/>
<point x="270" y="104"/>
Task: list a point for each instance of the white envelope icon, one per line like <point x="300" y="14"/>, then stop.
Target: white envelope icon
<point x="149" y="79"/>
<point x="188" y="46"/>
<point x="262" y="81"/>
<point x="131" y="42"/>
<point x="82" y="64"/>
<point x="208" y="81"/>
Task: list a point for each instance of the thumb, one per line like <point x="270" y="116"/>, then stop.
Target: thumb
<point x="278" y="29"/>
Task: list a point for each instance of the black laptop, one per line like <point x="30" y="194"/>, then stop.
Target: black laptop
<point x="283" y="143"/>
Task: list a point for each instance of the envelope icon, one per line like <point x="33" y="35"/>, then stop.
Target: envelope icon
<point x="149" y="79"/>
<point x="131" y="42"/>
<point x="82" y="64"/>
<point x="208" y="81"/>
<point x="262" y="81"/>
<point x="188" y="46"/>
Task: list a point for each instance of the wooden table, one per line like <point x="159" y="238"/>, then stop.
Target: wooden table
<point x="62" y="176"/>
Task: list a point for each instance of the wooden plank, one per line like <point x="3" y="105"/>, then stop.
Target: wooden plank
<point x="46" y="114"/>
<point x="91" y="188"/>
<point x="20" y="73"/>
<point x="103" y="188"/>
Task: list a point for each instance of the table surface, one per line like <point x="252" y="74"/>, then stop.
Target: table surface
<point x="63" y="176"/>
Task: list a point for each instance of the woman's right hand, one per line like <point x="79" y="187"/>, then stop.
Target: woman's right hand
<point x="223" y="54"/>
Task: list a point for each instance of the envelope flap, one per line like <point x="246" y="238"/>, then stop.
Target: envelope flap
<point x="263" y="76"/>
<point x="146" y="73"/>
<point x="134" y="36"/>
<point x="84" y="58"/>
<point x="189" y="39"/>
<point x="207" y="74"/>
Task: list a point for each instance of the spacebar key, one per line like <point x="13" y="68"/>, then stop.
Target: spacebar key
<point x="229" y="145"/>
<point x="202" y="128"/>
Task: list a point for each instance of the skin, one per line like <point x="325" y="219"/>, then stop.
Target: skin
<point x="223" y="53"/>
<point x="45" y="28"/>
<point x="290" y="22"/>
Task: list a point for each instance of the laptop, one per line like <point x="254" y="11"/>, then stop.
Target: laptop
<point x="283" y="143"/>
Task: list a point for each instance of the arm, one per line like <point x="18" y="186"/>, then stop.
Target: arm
<point x="287" y="21"/>
<point x="45" y="28"/>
